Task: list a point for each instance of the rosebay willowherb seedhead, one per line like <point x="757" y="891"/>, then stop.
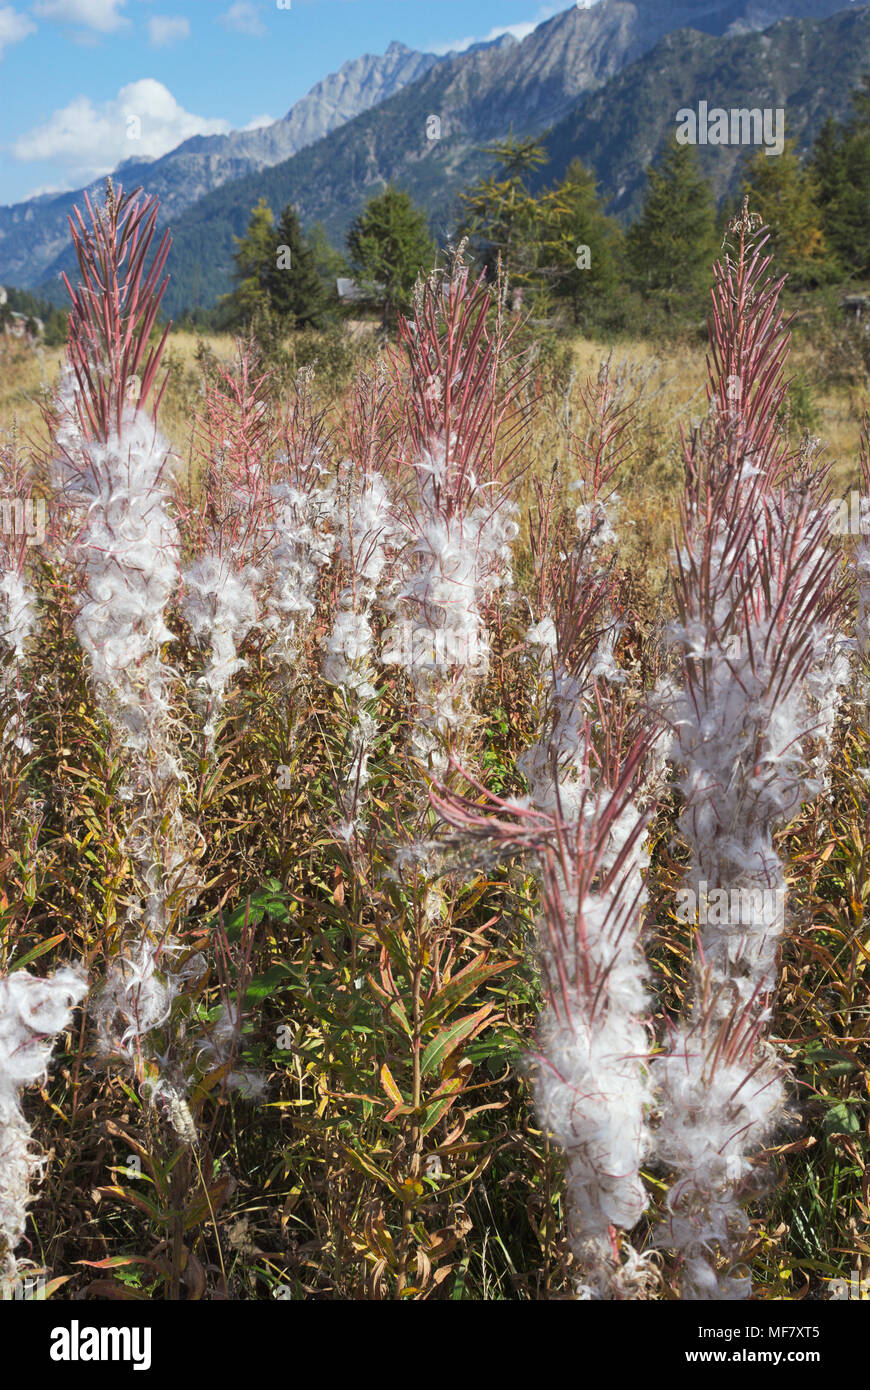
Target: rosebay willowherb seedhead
<point x="455" y="509"/>
<point x="592" y="1079"/>
<point x="32" y="1013"/>
<point x="762" y="661"/>
<point x="760" y="607"/>
<point x="355" y="752"/>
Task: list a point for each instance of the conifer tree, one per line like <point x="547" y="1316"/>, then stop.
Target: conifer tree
<point x="785" y="195"/>
<point x="251" y="256"/>
<point x="276" y="275"/>
<point x="501" y="216"/>
<point x="841" y="165"/>
<point x="583" y="245"/>
<point x="672" y="246"/>
<point x="389" y="245"/>
<point x="329" y="262"/>
<point x="296" y="294"/>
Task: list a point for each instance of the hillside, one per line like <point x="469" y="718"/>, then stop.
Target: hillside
<point x="808" y="69"/>
<point x="605" y="83"/>
<point x="34" y="233"/>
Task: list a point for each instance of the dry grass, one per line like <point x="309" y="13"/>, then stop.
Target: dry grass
<point x="304" y="1198"/>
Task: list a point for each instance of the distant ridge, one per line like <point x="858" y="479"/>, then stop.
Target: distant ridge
<point x="603" y="83"/>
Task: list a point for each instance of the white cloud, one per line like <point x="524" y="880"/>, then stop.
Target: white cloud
<point x="102" y="15"/>
<point x="165" y="29"/>
<point x="13" y="27"/>
<point x="90" y="140"/>
<point x="41" y="190"/>
<point x="258" y="122"/>
<point x="244" y="17"/>
<point x="518" y="31"/>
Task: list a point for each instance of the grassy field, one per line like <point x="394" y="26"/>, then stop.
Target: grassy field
<point x="667" y="382"/>
<point x="309" y="1191"/>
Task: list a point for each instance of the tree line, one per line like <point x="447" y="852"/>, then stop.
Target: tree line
<point x="563" y="253"/>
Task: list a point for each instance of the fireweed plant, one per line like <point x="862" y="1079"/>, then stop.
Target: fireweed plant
<point x="760" y="605"/>
<point x="278" y="719"/>
<point x="574" y="638"/>
<point x="111" y="470"/>
<point x="32" y="1012"/>
<point x="430" y="522"/>
<point x="369" y="548"/>
<point x="297" y="529"/>
<point x="225" y="505"/>
<point x="459" y="467"/>
<point x="862" y="553"/>
<point x="603" y="451"/>
<point x="592" y="803"/>
<point x="591" y="1083"/>
<point x="759" y="608"/>
<point x="583" y="826"/>
<point x="22" y="513"/>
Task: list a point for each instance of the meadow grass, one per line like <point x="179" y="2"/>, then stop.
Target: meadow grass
<point x="311" y="1193"/>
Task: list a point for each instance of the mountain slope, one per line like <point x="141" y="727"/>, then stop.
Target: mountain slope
<point x="478" y="94"/>
<point x="480" y="98"/>
<point x="807" y="68"/>
<point x="34" y="233"/>
<point x="730" y="16"/>
<point x="547" y="80"/>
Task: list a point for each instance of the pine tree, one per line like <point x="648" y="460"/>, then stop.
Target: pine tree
<point x="276" y="275"/>
<point x="583" y="246"/>
<point x="329" y="263"/>
<point x="389" y="246"/>
<point x="55" y="328"/>
<point x="841" y="166"/>
<point x="328" y="260"/>
<point x="785" y="196"/>
<point x="673" y="244"/>
<point x="253" y="253"/>
<point x="501" y="216"/>
<point x="296" y="294"/>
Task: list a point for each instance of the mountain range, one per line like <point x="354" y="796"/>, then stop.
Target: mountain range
<point x="603" y="83"/>
<point x="806" y="68"/>
<point x="35" y="232"/>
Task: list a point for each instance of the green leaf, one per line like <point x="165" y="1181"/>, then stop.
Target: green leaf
<point x="842" y="1119"/>
<point x="463" y="984"/>
<point x="268" y="901"/>
<point x="39" y="950"/>
<point x="262" y="986"/>
<point x="432" y="1113"/>
<point x="449" y="1039"/>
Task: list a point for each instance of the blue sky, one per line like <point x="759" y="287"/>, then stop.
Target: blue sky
<point x="73" y="71"/>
